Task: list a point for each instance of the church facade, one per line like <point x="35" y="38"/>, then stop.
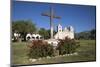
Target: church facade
<point x="67" y="32"/>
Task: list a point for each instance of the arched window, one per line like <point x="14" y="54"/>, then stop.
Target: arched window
<point x="37" y="37"/>
<point x="28" y="38"/>
<point x="33" y="37"/>
<point x="41" y="37"/>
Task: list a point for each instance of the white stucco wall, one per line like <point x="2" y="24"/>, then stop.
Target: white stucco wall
<point x="33" y="35"/>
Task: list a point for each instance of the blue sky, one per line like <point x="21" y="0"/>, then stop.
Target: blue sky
<point x="82" y="18"/>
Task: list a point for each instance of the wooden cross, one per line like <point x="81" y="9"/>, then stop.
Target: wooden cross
<point x="51" y="15"/>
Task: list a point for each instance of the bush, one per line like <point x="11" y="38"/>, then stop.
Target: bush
<point x="40" y="48"/>
<point x="67" y="46"/>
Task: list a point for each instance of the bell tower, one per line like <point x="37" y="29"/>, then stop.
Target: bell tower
<point x="59" y="28"/>
<point x="71" y="28"/>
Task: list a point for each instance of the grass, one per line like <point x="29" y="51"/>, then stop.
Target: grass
<point x="86" y="52"/>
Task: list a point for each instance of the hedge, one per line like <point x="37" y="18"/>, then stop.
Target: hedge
<point x="67" y="46"/>
<point x="40" y="49"/>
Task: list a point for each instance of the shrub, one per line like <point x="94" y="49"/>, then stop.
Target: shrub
<point x="40" y="48"/>
<point x="67" y="46"/>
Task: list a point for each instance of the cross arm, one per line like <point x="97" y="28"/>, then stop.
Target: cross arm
<point x="44" y="14"/>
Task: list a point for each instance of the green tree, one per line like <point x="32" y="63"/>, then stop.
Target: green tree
<point x="86" y="35"/>
<point x="93" y="34"/>
<point x="44" y="33"/>
<point x="23" y="27"/>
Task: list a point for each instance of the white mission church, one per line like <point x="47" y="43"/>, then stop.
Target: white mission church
<point x="67" y="32"/>
<point x="61" y="34"/>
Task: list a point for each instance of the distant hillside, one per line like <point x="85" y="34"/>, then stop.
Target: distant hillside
<point x="86" y="35"/>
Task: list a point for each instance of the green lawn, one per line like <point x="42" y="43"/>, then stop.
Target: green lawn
<point x="86" y="52"/>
